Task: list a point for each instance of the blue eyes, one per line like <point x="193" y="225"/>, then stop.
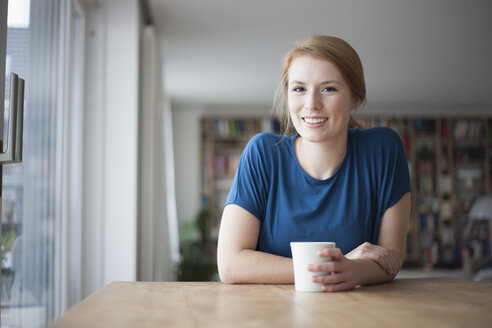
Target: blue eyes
<point x="325" y="89"/>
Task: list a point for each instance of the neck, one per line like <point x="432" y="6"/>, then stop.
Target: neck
<point x="320" y="160"/>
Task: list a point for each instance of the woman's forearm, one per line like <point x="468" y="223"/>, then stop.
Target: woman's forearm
<point x="237" y="258"/>
<point x="367" y="272"/>
<point x="346" y="272"/>
<point x="389" y="261"/>
<point x="250" y="266"/>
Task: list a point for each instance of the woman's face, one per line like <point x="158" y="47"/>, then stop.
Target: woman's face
<point x="319" y="99"/>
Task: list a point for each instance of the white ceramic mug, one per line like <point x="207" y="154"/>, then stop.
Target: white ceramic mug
<point x="304" y="254"/>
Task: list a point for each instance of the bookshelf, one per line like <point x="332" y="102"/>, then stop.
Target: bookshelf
<point x="450" y="163"/>
<point x="223" y="140"/>
<point x="418" y="180"/>
<point x="474" y="165"/>
<point x="450" y="166"/>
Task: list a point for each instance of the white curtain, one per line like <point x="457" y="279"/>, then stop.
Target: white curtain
<point x="158" y="232"/>
<point x="47" y="266"/>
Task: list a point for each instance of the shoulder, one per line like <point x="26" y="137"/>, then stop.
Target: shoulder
<point x="379" y="143"/>
<point x="266" y="138"/>
<point x="267" y="142"/>
<point x="375" y="136"/>
<point x="268" y="149"/>
<point x="376" y="133"/>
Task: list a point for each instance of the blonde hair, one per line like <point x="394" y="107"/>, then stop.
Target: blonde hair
<point x="330" y="48"/>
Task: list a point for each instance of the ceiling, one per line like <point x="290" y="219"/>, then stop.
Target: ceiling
<point x="421" y="52"/>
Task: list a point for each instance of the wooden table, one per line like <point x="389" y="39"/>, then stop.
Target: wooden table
<point x="425" y="302"/>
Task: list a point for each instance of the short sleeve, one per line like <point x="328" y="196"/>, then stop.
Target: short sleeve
<point x="250" y="186"/>
<point x="396" y="177"/>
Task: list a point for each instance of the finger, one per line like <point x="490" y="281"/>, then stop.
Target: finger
<point x="380" y="259"/>
<point x="338" y="287"/>
<point x="335" y="253"/>
<point x="387" y="261"/>
<point x="384" y="261"/>
<point x="383" y="258"/>
<point x="395" y="266"/>
<point x="330" y="279"/>
<point x="387" y="264"/>
<point x="329" y="266"/>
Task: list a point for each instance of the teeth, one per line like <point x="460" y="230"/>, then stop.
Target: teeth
<point x="314" y="120"/>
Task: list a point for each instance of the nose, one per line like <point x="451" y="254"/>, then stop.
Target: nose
<point x="313" y="100"/>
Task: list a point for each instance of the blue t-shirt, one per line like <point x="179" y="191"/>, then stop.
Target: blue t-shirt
<point x="345" y="208"/>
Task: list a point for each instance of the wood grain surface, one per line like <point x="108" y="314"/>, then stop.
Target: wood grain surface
<point x="424" y="302"/>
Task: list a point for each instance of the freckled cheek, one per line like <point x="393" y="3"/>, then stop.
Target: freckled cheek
<point x="339" y="107"/>
<point x="294" y="107"/>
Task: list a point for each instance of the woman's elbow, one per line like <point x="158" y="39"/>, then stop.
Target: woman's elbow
<point x="226" y="278"/>
<point x="224" y="274"/>
<point x="391" y="277"/>
<point x="226" y="271"/>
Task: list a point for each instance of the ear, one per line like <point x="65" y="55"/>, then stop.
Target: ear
<point x="356" y="103"/>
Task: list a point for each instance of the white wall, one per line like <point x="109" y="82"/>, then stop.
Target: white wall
<point x="155" y="249"/>
<point x="93" y="155"/>
<point x="121" y="140"/>
<point x="126" y="234"/>
<point x="110" y="145"/>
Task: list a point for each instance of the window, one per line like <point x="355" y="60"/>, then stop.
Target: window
<point x="41" y="209"/>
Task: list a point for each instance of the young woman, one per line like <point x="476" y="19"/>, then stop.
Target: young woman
<point x="324" y="180"/>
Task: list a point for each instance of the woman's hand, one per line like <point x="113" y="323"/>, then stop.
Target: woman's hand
<point x="340" y="271"/>
<point x="386" y="260"/>
<point x="368" y="263"/>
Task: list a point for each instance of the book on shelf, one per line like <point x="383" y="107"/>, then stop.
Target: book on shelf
<point x="425" y="148"/>
<point x="405" y="141"/>
<point x="489" y="132"/>
<point x="444" y="131"/>
<point x="227" y="127"/>
<point x="426" y="182"/>
<point x="448" y="255"/>
<point x="468" y="129"/>
<point x="477" y="230"/>
<point x="446" y="209"/>
<point x="434" y="250"/>
<point x="479" y="249"/>
<point x="445" y="183"/>
<point x="477" y="234"/>
<point x="460" y="129"/>
<point x="447" y="234"/>
<point x="484" y="230"/>
<point x="430" y="255"/>
<point x="426" y="166"/>
<point x="225" y="164"/>
<point x="469" y="153"/>
<point x="428" y="222"/>
<point x="469" y="177"/>
<point x="244" y="127"/>
<point x="270" y="125"/>
<point x="451" y="256"/>
<point x="425" y="125"/>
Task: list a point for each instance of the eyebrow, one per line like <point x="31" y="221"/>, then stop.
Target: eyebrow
<point x="324" y="82"/>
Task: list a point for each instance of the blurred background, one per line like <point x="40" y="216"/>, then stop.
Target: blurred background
<point x="137" y="111"/>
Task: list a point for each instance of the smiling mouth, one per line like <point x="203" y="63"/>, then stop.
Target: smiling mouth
<point x="314" y="120"/>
